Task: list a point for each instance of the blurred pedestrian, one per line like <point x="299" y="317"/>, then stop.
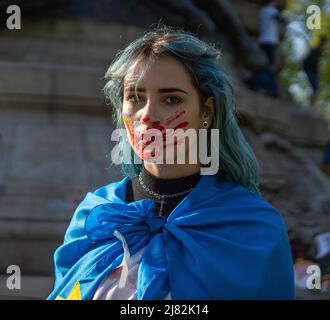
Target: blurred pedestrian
<point x="270" y="18"/>
<point x="311" y="67"/>
<point x="269" y="38"/>
<point x="325" y="166"/>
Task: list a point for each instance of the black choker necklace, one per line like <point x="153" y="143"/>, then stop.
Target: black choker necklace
<point x="161" y="197"/>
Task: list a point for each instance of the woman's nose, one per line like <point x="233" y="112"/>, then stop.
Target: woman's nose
<point x="145" y="117"/>
<point x="148" y="113"/>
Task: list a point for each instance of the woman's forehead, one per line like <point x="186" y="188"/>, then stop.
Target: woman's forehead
<point x="160" y="71"/>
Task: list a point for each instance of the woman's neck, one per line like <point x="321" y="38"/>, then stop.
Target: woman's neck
<point x="171" y="171"/>
<point x="165" y="186"/>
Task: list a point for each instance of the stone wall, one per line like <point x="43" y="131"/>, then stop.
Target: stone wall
<point x="55" y="131"/>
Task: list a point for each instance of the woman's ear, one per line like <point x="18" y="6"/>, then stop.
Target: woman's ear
<point x="208" y="110"/>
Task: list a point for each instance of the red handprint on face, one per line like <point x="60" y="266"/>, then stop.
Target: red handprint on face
<point x="143" y="134"/>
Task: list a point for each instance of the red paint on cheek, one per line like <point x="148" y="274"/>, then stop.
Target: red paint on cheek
<point x="135" y="139"/>
<point x="157" y="125"/>
<point x="176" y="116"/>
<point x="130" y="128"/>
<point x="181" y="125"/>
<point x="130" y="131"/>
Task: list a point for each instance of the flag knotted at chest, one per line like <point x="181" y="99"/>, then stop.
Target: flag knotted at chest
<point x="136" y="222"/>
<point x="220" y="242"/>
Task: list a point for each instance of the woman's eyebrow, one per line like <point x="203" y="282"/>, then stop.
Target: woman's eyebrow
<point x="166" y="90"/>
<point x="161" y="90"/>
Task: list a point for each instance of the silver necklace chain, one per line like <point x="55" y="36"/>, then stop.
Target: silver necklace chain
<point x="161" y="197"/>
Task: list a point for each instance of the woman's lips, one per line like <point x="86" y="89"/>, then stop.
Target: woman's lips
<point x="147" y="136"/>
<point x="143" y="139"/>
<point x="141" y="135"/>
<point x="146" y="143"/>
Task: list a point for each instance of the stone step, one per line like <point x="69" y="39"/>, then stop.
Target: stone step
<point x="33" y="287"/>
<point x="35" y="84"/>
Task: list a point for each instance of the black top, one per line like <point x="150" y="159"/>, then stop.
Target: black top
<point x="135" y="191"/>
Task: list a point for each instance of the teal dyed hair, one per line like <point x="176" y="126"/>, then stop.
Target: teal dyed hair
<point x="237" y="159"/>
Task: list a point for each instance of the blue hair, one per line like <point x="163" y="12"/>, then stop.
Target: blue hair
<point x="237" y="159"/>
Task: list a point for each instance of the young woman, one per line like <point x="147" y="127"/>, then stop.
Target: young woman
<point x="167" y="231"/>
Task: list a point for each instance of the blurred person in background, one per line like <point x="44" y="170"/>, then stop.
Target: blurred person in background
<point x="311" y="67"/>
<point x="270" y="35"/>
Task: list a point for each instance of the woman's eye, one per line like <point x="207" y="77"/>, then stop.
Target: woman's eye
<point x="134" y="99"/>
<point x="172" y="100"/>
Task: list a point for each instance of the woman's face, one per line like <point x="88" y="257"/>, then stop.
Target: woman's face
<point x="165" y="99"/>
